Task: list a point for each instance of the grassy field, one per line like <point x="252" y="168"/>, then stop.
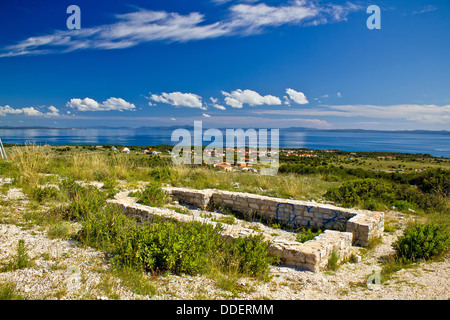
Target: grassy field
<point x="418" y="185"/>
<point x="304" y="178"/>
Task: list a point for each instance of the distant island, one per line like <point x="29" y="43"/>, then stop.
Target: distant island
<point x="188" y="127"/>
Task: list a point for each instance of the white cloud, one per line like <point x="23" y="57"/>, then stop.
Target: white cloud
<point x="135" y="28"/>
<point x="53" y="111"/>
<point x="237" y="98"/>
<point x="8" y="110"/>
<point x="206" y="115"/>
<point x="410" y="112"/>
<point x="426" y="9"/>
<point x="219" y="106"/>
<point x="253" y="17"/>
<point x="179" y="99"/>
<point x="297" y="97"/>
<point x="87" y="104"/>
<point x="215" y="104"/>
<point x="29" y="111"/>
<point x="339" y="94"/>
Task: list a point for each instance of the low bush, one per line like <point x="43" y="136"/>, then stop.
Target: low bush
<point x="181" y="248"/>
<point x="152" y="195"/>
<point x="164" y="174"/>
<point x="307" y="234"/>
<point x="422" y="242"/>
<point x="379" y="194"/>
<point x="44" y="194"/>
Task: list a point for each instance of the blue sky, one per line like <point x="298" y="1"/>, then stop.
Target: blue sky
<point x="233" y="63"/>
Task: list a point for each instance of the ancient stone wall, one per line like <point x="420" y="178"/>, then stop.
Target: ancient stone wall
<point x="312" y="255"/>
<point x="363" y="224"/>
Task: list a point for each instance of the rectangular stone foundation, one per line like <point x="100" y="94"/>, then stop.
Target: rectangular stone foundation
<point x="312" y="255"/>
<point x="362" y="224"/>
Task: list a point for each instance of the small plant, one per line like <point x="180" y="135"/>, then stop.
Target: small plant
<point x="152" y="195"/>
<point x="422" y="242"/>
<point x="333" y="261"/>
<point x="308" y="234"/>
<point x="228" y="219"/>
<point x="181" y="210"/>
<point x="8" y="291"/>
<point x="59" y="230"/>
<point x="136" y="281"/>
<point x="42" y="194"/>
<point x="21" y="259"/>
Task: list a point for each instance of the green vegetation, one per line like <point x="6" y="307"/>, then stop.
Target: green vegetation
<point x="422" y="241"/>
<point x="180" y="248"/>
<point x="8" y="291"/>
<point x="308" y="234"/>
<point x="152" y="195"/>
<point x="379" y="194"/>
<point x="21" y="260"/>
<point x="414" y="184"/>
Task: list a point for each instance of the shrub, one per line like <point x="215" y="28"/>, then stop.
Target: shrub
<point x="378" y="194"/>
<point x="164" y="174"/>
<point x="41" y="194"/>
<point x="307" y="234"/>
<point x="161" y="246"/>
<point x="152" y="195"/>
<point x="422" y="242"/>
<point x="83" y="199"/>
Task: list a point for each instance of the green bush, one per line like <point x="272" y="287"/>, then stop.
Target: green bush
<point x="152" y="195"/>
<point x="159" y="246"/>
<point x="379" y="194"/>
<point x="307" y="234"/>
<point x="83" y="200"/>
<point x="422" y="242"/>
<point x="41" y="194"/>
<point x="164" y="174"/>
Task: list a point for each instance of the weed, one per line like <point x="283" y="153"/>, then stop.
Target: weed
<point x="333" y="261"/>
<point x="8" y="291"/>
<point x="21" y="260"/>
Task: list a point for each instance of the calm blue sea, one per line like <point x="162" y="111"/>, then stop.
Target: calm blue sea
<point x="436" y="143"/>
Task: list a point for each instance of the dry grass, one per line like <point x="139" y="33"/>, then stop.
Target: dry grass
<point x="30" y="161"/>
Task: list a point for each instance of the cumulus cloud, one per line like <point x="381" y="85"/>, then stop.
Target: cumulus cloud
<point x="179" y="99"/>
<point x="237" y="98"/>
<point x="8" y="110"/>
<point x="28" y="111"/>
<point x="297" y="97"/>
<point x="142" y="26"/>
<point x="215" y="104"/>
<point x="206" y="115"/>
<point x="87" y="104"/>
<point x="53" y="111"/>
<point x="31" y="111"/>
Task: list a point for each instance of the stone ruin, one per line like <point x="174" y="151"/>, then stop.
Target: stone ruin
<point x="343" y="227"/>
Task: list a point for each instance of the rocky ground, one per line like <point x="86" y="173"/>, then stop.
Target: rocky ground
<point x="61" y="269"/>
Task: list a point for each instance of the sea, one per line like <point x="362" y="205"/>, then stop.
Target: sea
<point x="435" y="143"/>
